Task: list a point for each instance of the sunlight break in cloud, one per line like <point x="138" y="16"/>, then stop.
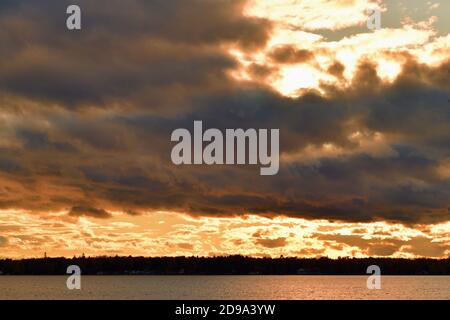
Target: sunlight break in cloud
<point x="184" y="235"/>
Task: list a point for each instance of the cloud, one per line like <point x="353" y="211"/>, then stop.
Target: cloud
<point x="401" y="184"/>
<point x="135" y="51"/>
<point x="272" y="243"/>
<point x="289" y="54"/>
<point x="3" y="241"/>
<point x="186" y="246"/>
<point x="86" y="117"/>
<point x="314" y="14"/>
<point x="422" y="245"/>
<point x="79" y="211"/>
<point x="418" y="246"/>
<point x="121" y="234"/>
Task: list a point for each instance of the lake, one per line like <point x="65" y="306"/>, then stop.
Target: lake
<point x="224" y="287"/>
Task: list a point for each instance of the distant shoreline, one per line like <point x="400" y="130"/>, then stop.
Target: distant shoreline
<point x="230" y="265"/>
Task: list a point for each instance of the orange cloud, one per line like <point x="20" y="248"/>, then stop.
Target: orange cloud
<point x="165" y="233"/>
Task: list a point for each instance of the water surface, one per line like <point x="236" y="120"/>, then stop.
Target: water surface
<point x="225" y="287"/>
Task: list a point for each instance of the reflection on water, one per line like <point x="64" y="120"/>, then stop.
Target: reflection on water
<point x="225" y="287"/>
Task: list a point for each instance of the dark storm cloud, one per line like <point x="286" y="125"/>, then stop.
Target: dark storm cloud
<point x="11" y="165"/>
<point x="358" y="187"/>
<point x="290" y="55"/>
<point x="415" y="110"/>
<point x="124" y="50"/>
<point x="196" y="22"/>
<point x="88" y="116"/>
<point x="79" y="211"/>
<point x="40" y="140"/>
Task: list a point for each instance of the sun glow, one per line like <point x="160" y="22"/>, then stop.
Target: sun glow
<point x="300" y="31"/>
<point x="293" y="79"/>
<point x="388" y="70"/>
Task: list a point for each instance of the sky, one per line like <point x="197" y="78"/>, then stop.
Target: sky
<point x="86" y="118"/>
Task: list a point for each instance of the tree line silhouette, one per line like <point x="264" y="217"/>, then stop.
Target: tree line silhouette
<point x="229" y="265"/>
